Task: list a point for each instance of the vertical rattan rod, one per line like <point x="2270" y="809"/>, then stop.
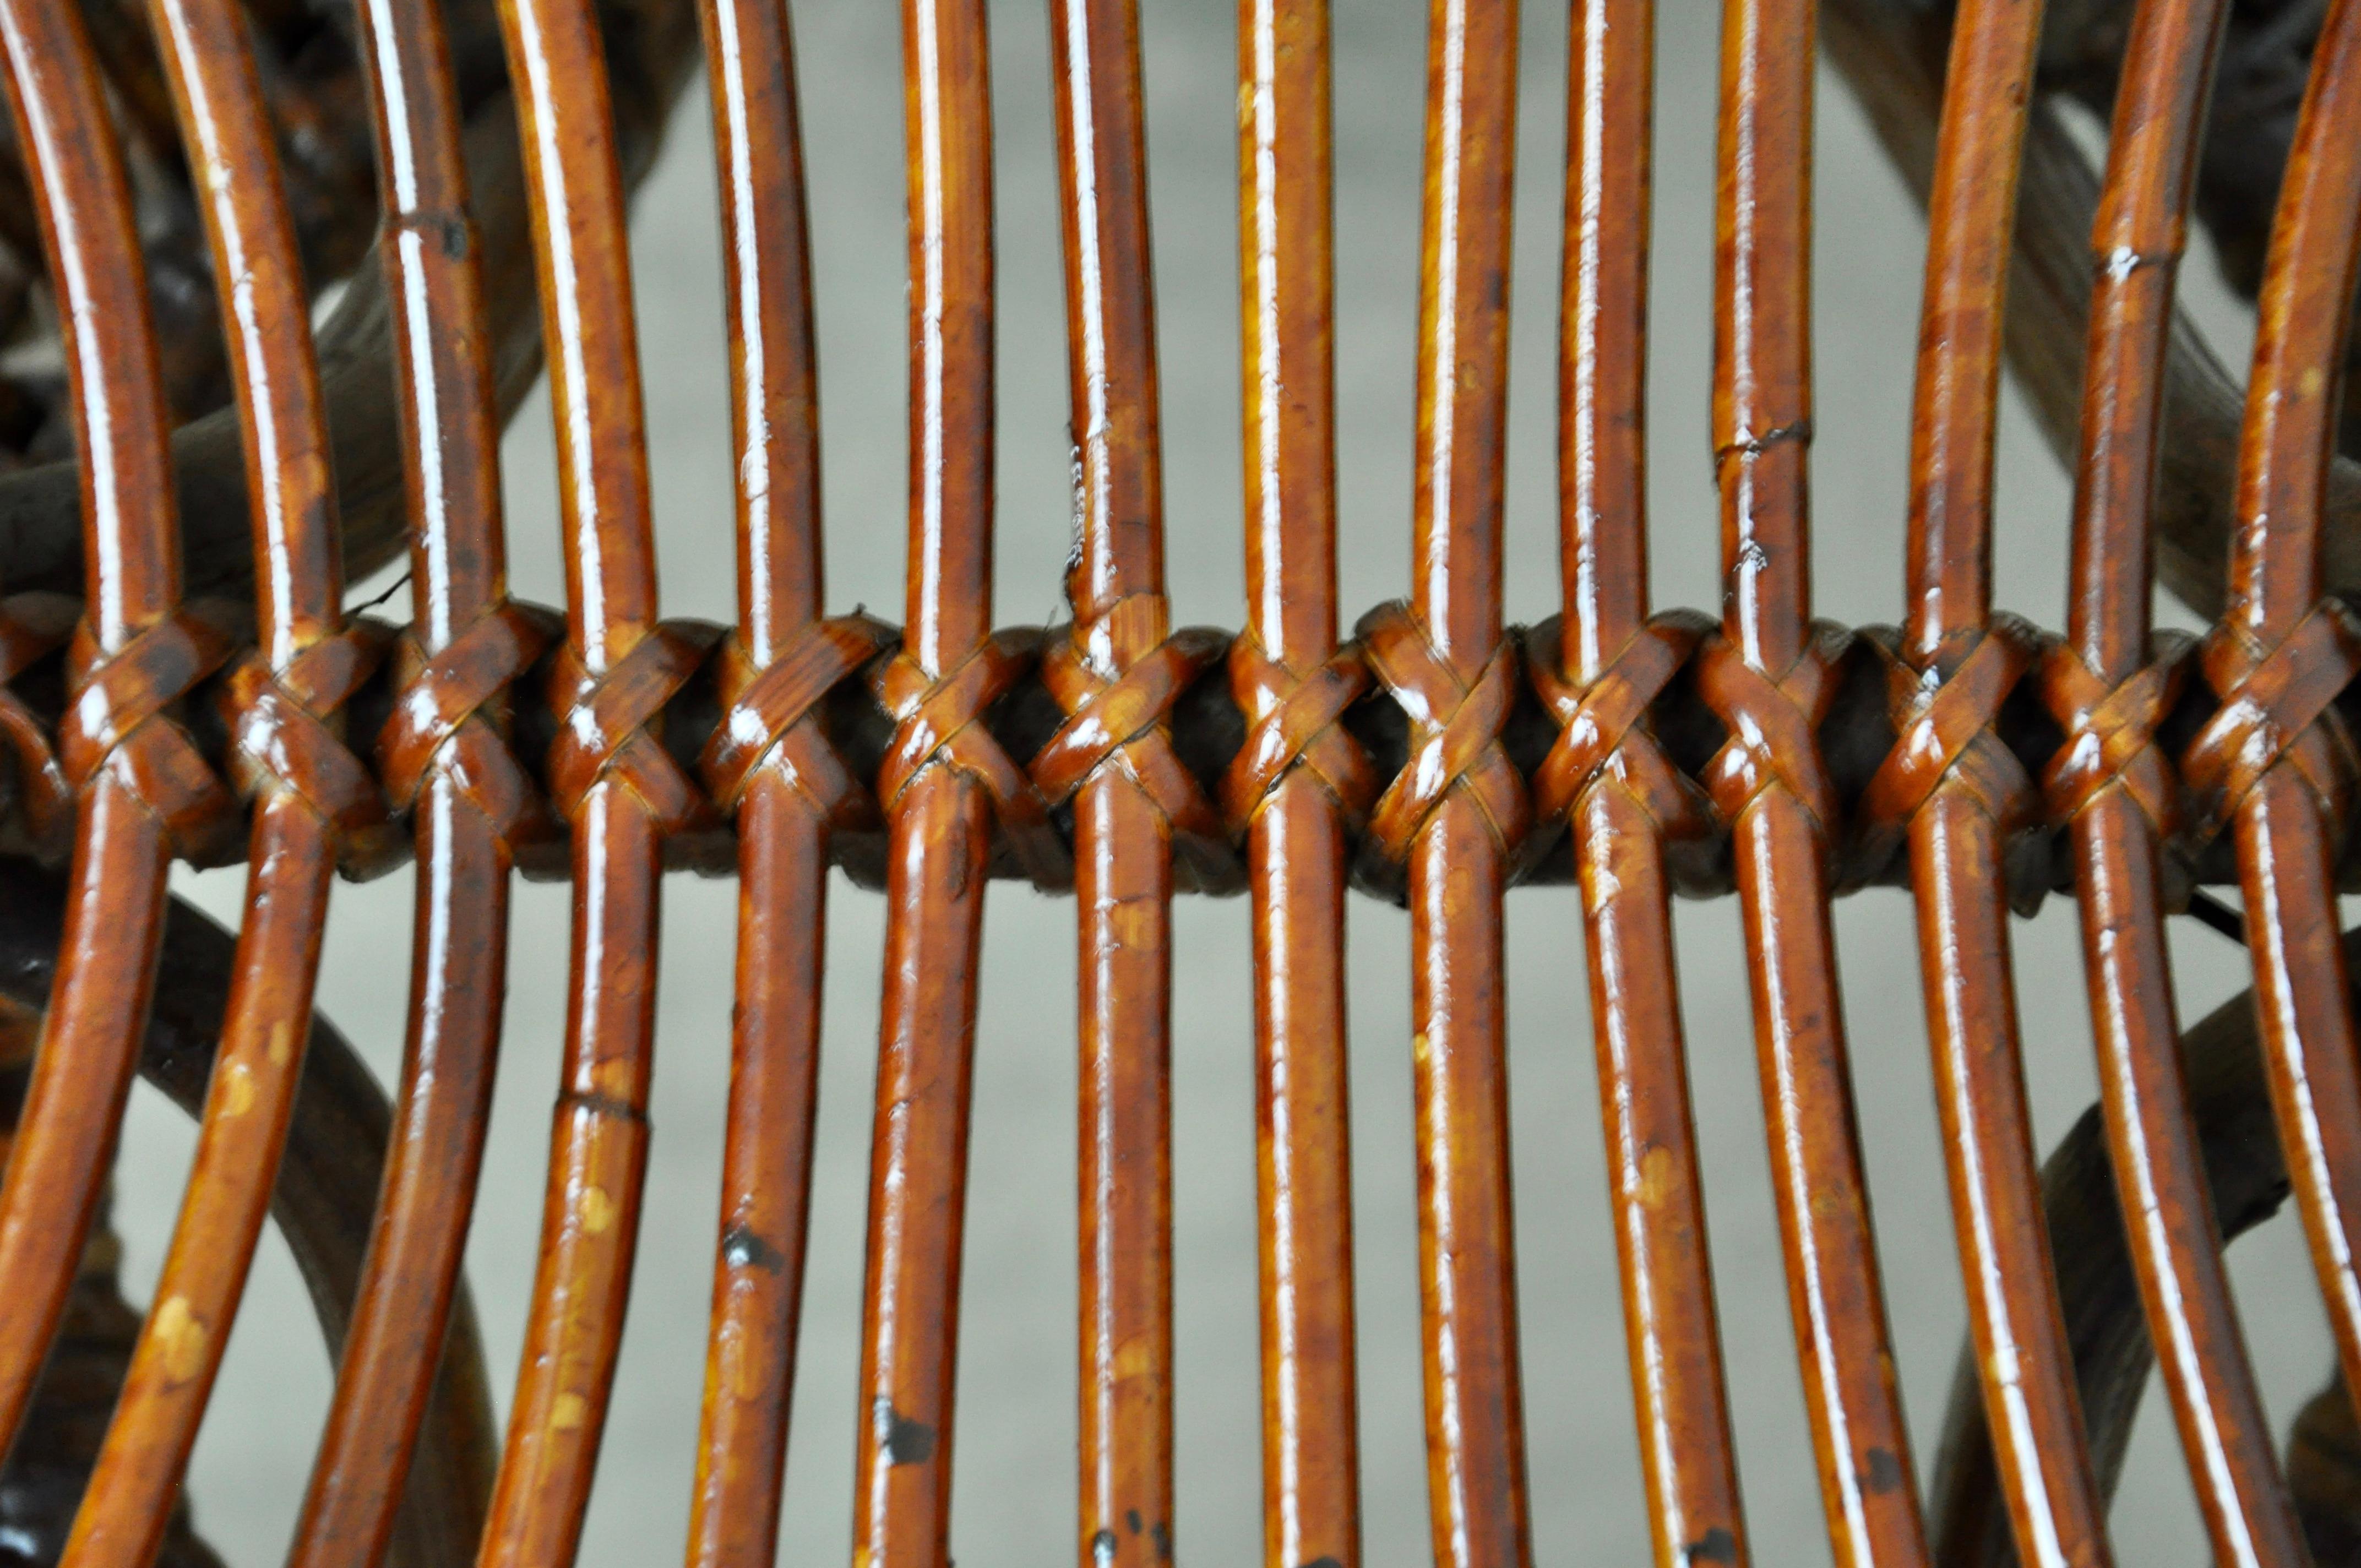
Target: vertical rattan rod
<point x="463" y="789"/>
<point x="940" y="812"/>
<point x="1963" y="797"/>
<point x="1458" y="855"/>
<point x="280" y="694"/>
<point x="1627" y="798"/>
<point x="2281" y="653"/>
<point x="1771" y="677"/>
<point x="124" y="836"/>
<point x="1295" y="830"/>
<point x="1123" y="850"/>
<point x="2116" y="789"/>
<point x="782" y="804"/>
<point x="612" y="787"/>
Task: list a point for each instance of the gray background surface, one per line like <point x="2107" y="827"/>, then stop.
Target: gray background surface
<point x="1016" y="1486"/>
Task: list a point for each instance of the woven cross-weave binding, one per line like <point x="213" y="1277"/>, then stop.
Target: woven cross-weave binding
<point x="1602" y="731"/>
<point x="605" y="729"/>
<point x="1677" y="719"/>
<point x="1292" y="721"/>
<point x="1123" y="721"/>
<point x="1773" y="724"/>
<point x="1454" y="734"/>
<point x="2276" y="708"/>
<point x="1947" y="735"/>
<point x="2110" y="733"/>
<point x="941" y="722"/>
<point x="282" y="739"/>
<point x="118" y="717"/>
<point x="768" y="719"/>
<point x="446" y="716"/>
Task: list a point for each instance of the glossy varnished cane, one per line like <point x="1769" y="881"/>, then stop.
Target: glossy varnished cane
<point x="768" y="761"/>
<point x="610" y="778"/>
<point x="944" y="782"/>
<point x="1771" y="675"/>
<point x="1458" y="811"/>
<point x="2277" y="761"/>
<point x="2110" y="687"/>
<point x="142" y="792"/>
<point x="1599" y="668"/>
<point x="1960" y="798"/>
<point x="311" y="796"/>
<point x="446" y="759"/>
<point x="1297" y="783"/>
<point x="1116" y="671"/>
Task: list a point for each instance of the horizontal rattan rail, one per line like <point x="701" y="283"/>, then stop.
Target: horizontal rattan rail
<point x="839" y="692"/>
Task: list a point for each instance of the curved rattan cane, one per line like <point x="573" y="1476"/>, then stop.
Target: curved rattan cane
<point x="1962" y="801"/>
<point x="326" y="1184"/>
<point x="1457" y="816"/>
<point x="613" y="783"/>
<point x="2277" y="762"/>
<point x="1123" y="825"/>
<point x="1435" y="758"/>
<point x="1768" y="677"/>
<point x="1627" y="808"/>
<point x="139" y="783"/>
<point x="2115" y="788"/>
<point x="2100" y="1297"/>
<point x="312" y="798"/>
<point x="788" y="786"/>
<point x="466" y="794"/>
<point x="950" y="781"/>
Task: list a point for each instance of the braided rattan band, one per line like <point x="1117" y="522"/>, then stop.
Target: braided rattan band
<point x="1212" y="724"/>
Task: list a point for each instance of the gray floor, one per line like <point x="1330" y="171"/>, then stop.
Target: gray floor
<point x="1016" y="1429"/>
